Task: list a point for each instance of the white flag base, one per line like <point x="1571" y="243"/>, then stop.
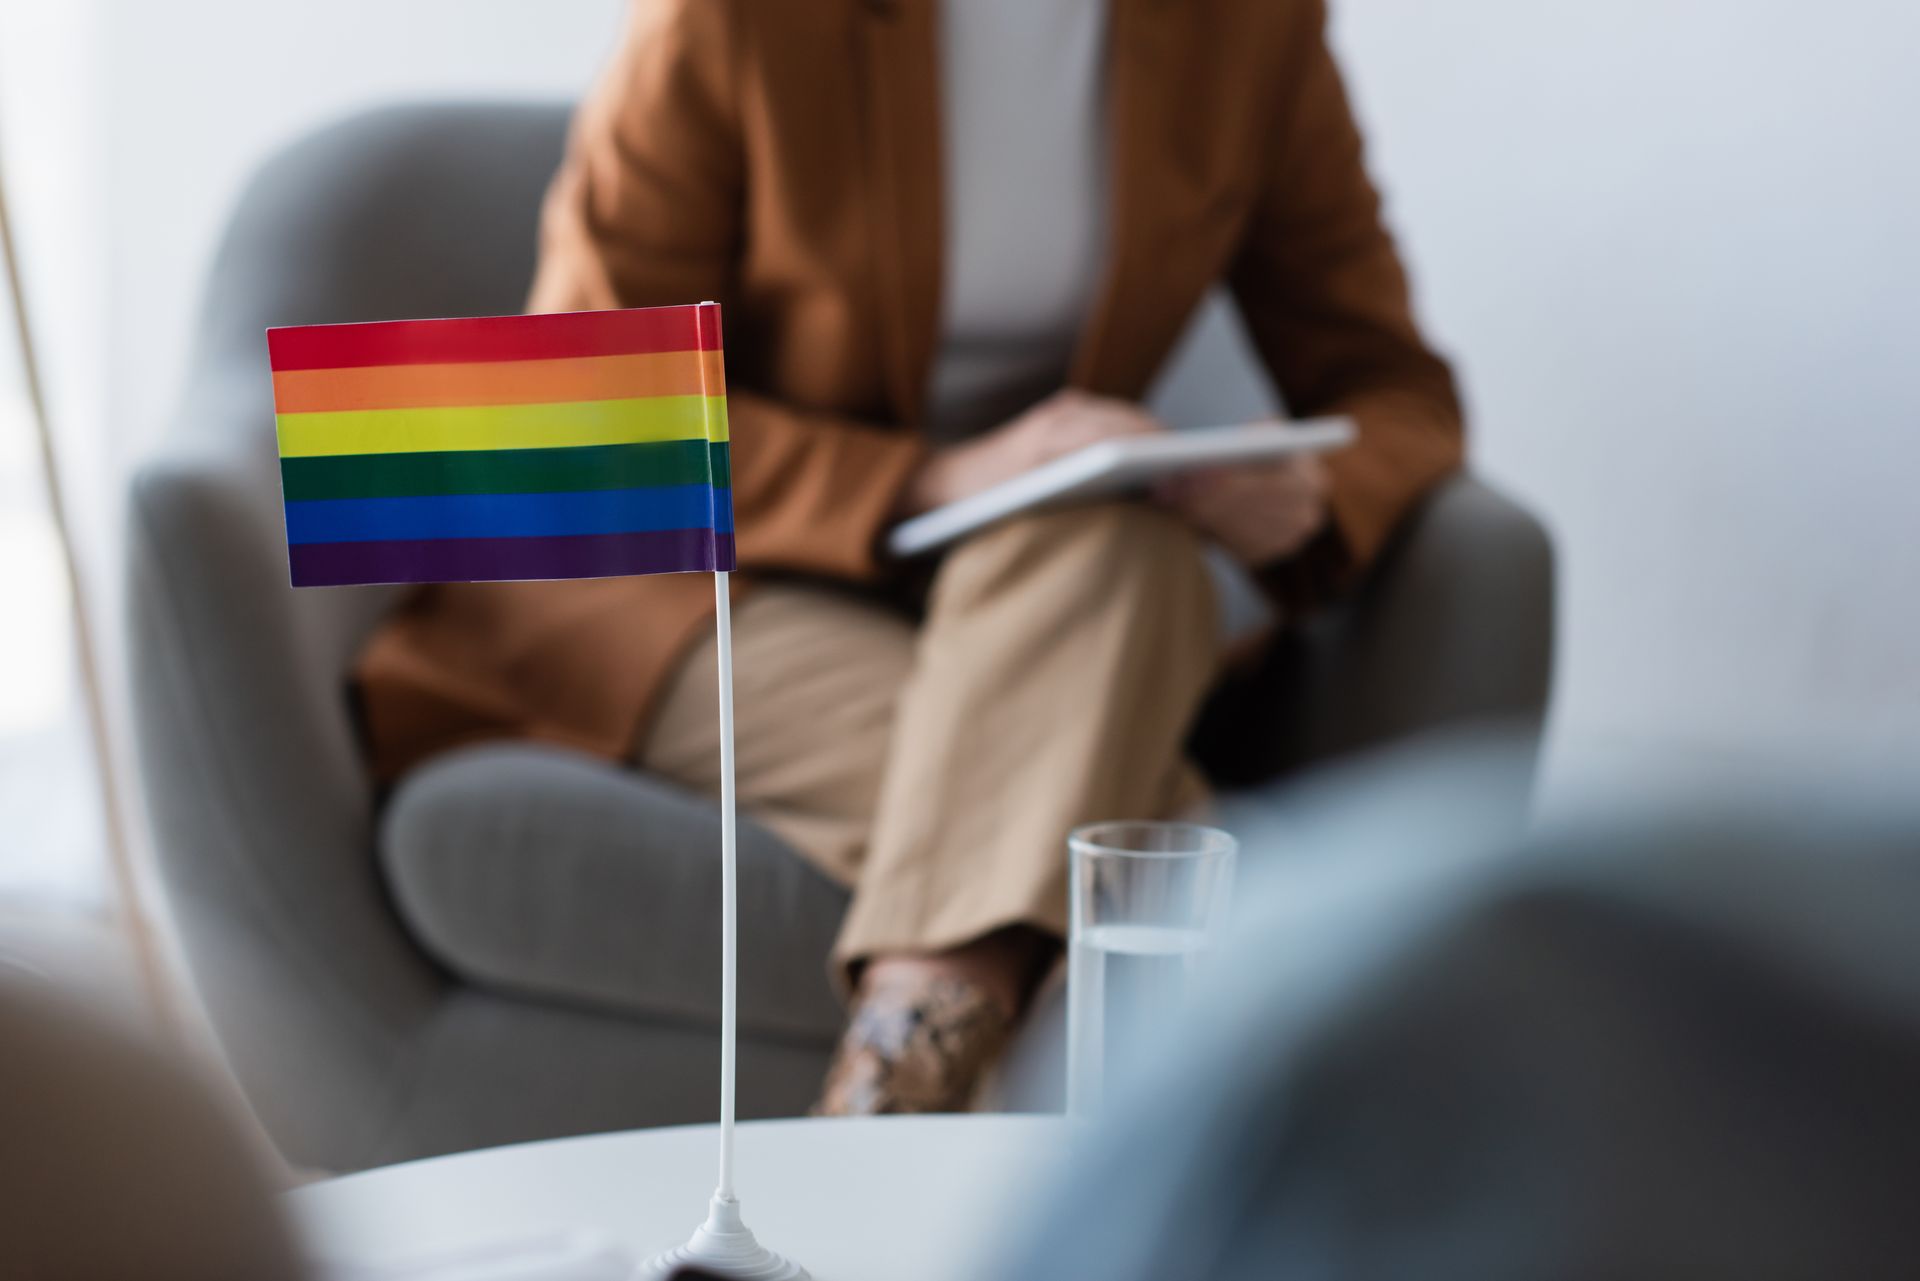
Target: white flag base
<point x="724" y="1246"/>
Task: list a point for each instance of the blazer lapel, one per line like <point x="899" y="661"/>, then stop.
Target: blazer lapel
<point x="1142" y="63"/>
<point x="900" y="77"/>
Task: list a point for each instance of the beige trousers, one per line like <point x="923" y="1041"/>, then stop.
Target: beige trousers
<point x="936" y="767"/>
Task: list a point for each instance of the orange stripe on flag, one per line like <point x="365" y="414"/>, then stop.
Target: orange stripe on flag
<point x="513" y="382"/>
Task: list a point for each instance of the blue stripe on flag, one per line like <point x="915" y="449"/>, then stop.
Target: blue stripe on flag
<point x="605" y="511"/>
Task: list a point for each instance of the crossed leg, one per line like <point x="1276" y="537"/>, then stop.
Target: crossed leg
<point x="936" y="769"/>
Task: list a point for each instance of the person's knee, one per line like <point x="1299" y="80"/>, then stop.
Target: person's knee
<point x="1134" y="545"/>
<point x="1114" y="549"/>
<point x="1125" y="537"/>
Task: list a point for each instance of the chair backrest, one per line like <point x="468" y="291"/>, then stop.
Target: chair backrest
<point x="401" y="212"/>
<point x="260" y="805"/>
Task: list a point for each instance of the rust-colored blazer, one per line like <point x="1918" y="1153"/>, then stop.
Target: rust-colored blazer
<point x="783" y="157"/>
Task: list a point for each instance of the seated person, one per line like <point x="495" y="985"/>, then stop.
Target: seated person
<point x="953" y="241"/>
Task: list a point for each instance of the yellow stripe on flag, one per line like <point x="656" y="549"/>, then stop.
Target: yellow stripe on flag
<point x="585" y="422"/>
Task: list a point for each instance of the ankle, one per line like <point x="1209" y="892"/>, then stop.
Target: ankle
<point x="1003" y="966"/>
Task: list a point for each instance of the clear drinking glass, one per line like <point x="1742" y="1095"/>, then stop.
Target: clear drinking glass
<point x="1146" y="902"/>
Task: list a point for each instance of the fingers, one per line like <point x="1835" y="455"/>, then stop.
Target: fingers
<point x="1191" y="485"/>
<point x="1062" y="423"/>
<point x="1072" y="420"/>
<point x="1283" y="481"/>
<point x="1261" y="513"/>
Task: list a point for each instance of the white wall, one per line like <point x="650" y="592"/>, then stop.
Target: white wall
<point x="1671" y="243"/>
<point x="48" y="787"/>
<point x="203" y="90"/>
<point x="1672" y="246"/>
<point x="129" y="128"/>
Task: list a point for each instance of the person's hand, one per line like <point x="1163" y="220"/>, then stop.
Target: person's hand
<point x="1260" y="512"/>
<point x="1062" y="423"/>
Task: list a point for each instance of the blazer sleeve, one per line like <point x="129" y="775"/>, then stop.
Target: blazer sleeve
<point x="1325" y="299"/>
<point x="648" y="210"/>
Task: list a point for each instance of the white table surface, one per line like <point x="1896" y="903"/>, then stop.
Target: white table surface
<point x="899" y="1198"/>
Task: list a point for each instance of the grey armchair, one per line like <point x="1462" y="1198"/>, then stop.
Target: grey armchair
<point x="521" y="942"/>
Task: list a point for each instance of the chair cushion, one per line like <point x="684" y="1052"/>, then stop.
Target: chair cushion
<point x="552" y="874"/>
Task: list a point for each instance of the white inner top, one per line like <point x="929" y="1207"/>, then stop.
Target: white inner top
<point x="1025" y="155"/>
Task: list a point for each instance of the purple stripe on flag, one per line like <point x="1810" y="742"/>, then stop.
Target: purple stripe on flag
<point x="480" y="560"/>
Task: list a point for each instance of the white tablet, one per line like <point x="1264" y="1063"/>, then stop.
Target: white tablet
<point x="1116" y="467"/>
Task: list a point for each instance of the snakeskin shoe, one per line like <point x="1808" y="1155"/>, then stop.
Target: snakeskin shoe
<point x="919" y="1045"/>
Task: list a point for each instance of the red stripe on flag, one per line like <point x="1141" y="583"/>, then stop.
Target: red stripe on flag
<point x="557" y="336"/>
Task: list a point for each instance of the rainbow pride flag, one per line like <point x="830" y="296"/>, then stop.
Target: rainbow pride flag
<point x="580" y="445"/>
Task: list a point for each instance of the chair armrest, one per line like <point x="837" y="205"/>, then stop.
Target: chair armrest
<point x="1454" y="626"/>
<point x="261" y="813"/>
<point x="260" y="809"/>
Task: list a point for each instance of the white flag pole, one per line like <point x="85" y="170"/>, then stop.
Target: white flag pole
<point x="729" y="883"/>
<point x="724" y="1245"/>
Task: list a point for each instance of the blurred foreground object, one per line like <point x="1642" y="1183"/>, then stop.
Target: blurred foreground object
<point x="1687" y="1048"/>
<point x="115" y="1165"/>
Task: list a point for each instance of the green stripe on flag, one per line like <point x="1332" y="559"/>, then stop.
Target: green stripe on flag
<point x="504" y="471"/>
